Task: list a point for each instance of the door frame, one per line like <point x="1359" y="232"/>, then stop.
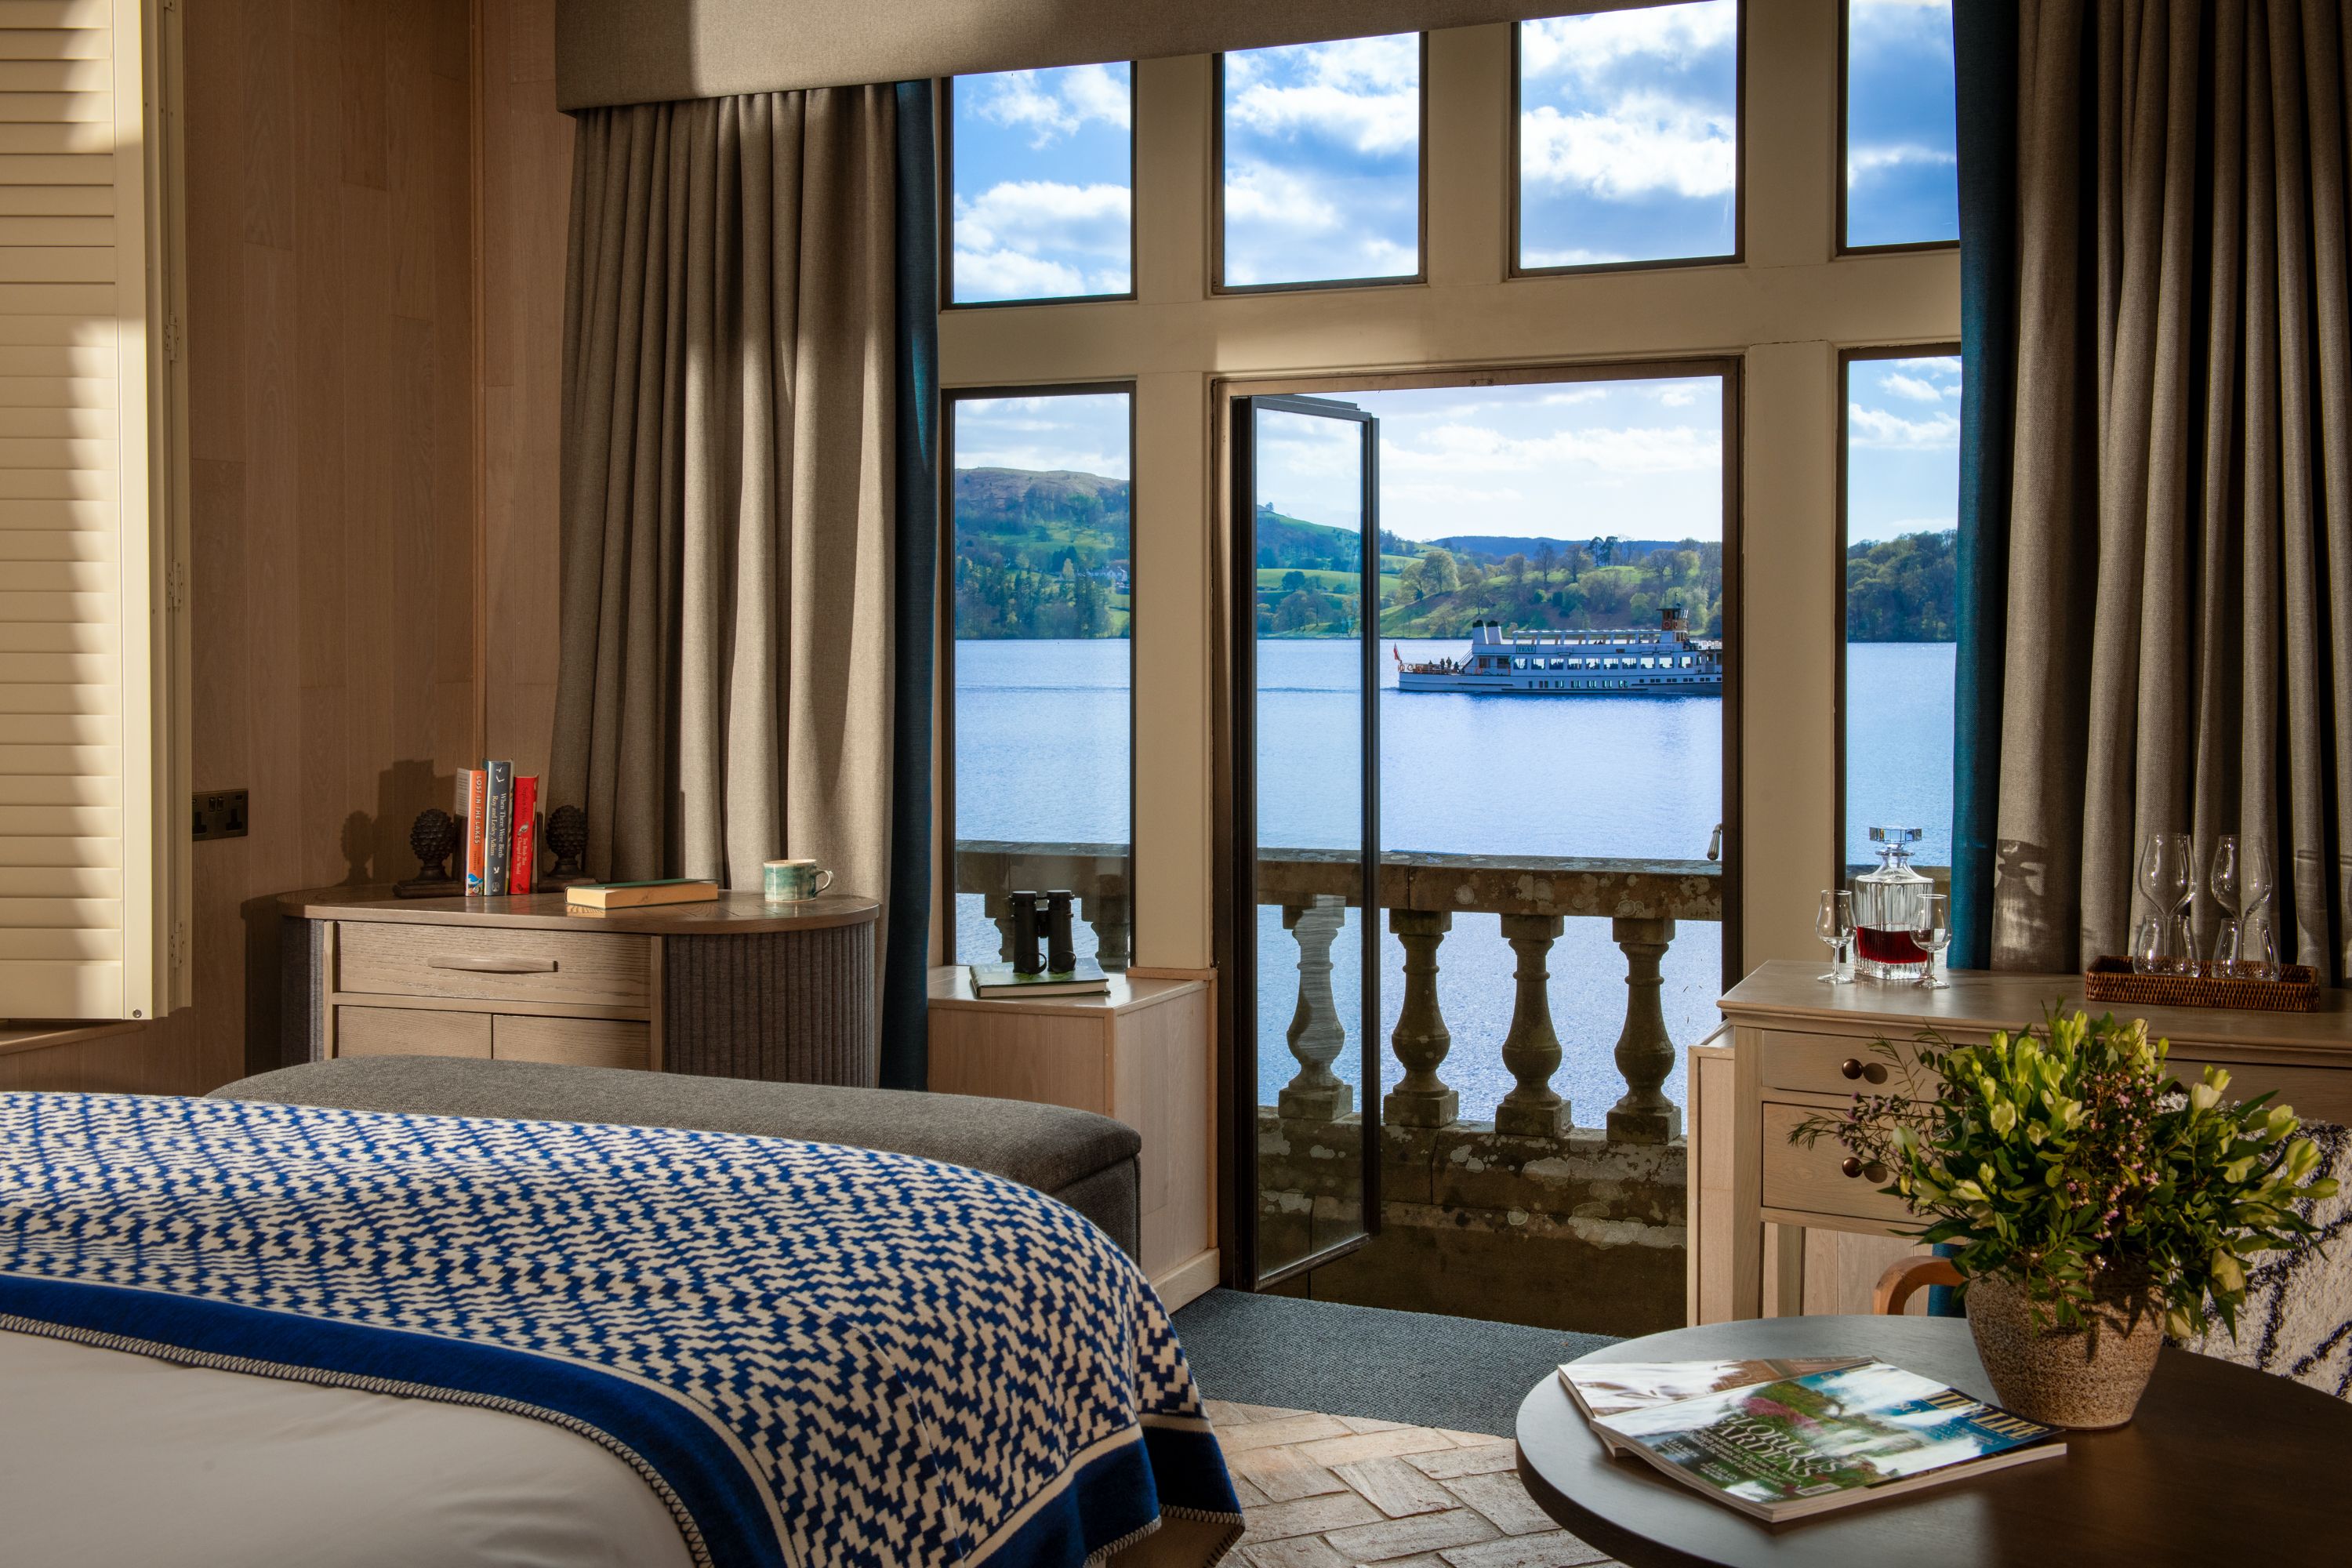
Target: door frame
<point x="1237" y="1013"/>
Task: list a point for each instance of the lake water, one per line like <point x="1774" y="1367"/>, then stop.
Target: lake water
<point x="1042" y="756"/>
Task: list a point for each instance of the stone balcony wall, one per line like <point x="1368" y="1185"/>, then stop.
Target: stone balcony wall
<point x="1579" y="1232"/>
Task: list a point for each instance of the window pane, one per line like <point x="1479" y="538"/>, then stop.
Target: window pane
<point x="1628" y="135"/>
<point x="1042" y="678"/>
<point x="1902" y="170"/>
<point x="1323" y="162"/>
<point x="1903" y="488"/>
<point x="1043" y="164"/>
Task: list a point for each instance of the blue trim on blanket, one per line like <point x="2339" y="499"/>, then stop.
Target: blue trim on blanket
<point x="663" y="1431"/>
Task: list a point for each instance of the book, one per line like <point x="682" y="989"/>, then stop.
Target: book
<point x="477" y="785"/>
<point x="1001" y="980"/>
<point x="498" y="832"/>
<point x="1801" y="1445"/>
<point x="522" y="872"/>
<point x="634" y="895"/>
<point x="1606" y="1388"/>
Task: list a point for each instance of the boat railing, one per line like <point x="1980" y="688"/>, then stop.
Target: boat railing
<point x="1422" y="891"/>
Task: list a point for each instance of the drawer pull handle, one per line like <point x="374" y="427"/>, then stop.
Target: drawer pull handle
<point x="495" y="965"/>
<point x="1873" y="1172"/>
<point x="1851" y="1166"/>
<point x="1853" y="1067"/>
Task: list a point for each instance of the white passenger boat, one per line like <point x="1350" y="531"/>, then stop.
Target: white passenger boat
<point x="1668" y="662"/>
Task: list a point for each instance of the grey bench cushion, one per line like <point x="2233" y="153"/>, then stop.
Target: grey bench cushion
<point x="1084" y="1159"/>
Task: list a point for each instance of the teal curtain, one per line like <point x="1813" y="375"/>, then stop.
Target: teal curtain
<point x="906" y="1052"/>
<point x="1984" y="49"/>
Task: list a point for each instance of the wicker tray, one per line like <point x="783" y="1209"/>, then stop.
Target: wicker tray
<point x="2112" y="980"/>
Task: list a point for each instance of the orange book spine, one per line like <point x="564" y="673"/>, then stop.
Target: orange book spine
<point x="478" y="811"/>
<point x="526" y="838"/>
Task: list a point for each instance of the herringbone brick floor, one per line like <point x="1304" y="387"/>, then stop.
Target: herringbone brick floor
<point x="1329" y="1491"/>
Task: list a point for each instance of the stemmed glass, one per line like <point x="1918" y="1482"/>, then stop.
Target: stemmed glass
<point x="1834" y="925"/>
<point x="2227" y="882"/>
<point x="2168" y="878"/>
<point x="1933" y="933"/>
<point x="2258" y="946"/>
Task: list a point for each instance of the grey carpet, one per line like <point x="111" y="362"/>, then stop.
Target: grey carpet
<point x="1461" y="1373"/>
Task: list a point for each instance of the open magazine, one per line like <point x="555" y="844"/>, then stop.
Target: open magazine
<point x="1802" y="1443"/>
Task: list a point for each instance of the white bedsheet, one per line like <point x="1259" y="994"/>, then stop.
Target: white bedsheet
<point x="112" y="1460"/>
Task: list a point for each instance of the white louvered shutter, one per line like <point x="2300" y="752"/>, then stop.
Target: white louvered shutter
<point x="91" y="910"/>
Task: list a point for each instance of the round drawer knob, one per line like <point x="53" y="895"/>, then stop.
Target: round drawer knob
<point x="1875" y="1174"/>
<point x="1851" y="1165"/>
<point x="1853" y="1067"/>
<point x="1850" y="1068"/>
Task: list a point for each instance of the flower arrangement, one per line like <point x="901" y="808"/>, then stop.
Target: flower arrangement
<point x="2067" y="1161"/>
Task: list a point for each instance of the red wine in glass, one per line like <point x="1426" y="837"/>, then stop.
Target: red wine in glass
<point x="1884" y="944"/>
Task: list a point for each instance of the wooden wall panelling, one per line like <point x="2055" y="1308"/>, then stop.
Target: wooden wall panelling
<point x="526" y="216"/>
<point x="330" y="418"/>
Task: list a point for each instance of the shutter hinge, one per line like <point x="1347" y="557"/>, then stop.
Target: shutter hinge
<point x="175" y="587"/>
<point x="172" y="336"/>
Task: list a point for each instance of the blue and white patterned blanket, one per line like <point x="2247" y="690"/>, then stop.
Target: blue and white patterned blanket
<point x="814" y="1354"/>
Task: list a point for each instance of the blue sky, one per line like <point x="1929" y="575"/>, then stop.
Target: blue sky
<point x="1044" y="181"/>
<point x="1903" y="446"/>
<point x="1322" y="176"/>
<point x="1901" y="174"/>
<point x="1628" y="135"/>
<point x="1084" y="432"/>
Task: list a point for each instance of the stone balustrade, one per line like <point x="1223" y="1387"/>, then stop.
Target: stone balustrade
<point x="1421" y="893"/>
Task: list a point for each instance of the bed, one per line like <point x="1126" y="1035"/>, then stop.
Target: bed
<point x="252" y="1331"/>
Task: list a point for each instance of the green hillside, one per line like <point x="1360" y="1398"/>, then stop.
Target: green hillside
<point x="1039" y="554"/>
<point x="1903" y="589"/>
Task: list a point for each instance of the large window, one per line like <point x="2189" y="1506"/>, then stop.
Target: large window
<point x="1321" y="163"/>
<point x="1902" y="167"/>
<point x="1040" y="594"/>
<point x="1902" y="507"/>
<point x="1042" y="167"/>
<point x="1628" y="129"/>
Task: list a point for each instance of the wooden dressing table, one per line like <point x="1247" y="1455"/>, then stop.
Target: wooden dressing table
<point x="1799" y="1045"/>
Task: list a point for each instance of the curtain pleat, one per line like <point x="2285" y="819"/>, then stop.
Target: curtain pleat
<point x="2179" y="594"/>
<point x="726" y="692"/>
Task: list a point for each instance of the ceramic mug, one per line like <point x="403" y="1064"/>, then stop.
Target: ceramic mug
<point x="791" y="881"/>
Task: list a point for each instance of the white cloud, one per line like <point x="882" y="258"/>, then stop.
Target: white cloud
<point x="1911" y="387"/>
<point x="1051" y="104"/>
<point x="1590" y="48"/>
<point x="1371" y="122"/>
<point x="1882" y="427"/>
<point x="1861" y="163"/>
<point x="1010" y="275"/>
<point x="1646" y="142"/>
<point x="1572" y="256"/>
<point x="1634" y="449"/>
<point x="1260" y="194"/>
<point x="1934" y="364"/>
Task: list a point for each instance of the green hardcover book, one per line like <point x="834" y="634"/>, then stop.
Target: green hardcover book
<point x="1001" y="980"/>
<point x="1806" y="1445"/>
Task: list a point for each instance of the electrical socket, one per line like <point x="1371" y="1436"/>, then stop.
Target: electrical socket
<point x="220" y="814"/>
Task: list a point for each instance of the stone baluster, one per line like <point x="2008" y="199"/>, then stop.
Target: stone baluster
<point x="1645" y="1053"/>
<point x="1107" y="917"/>
<point x="1316" y="1034"/>
<point x="1420" y="1039"/>
<point x="1531" y="1049"/>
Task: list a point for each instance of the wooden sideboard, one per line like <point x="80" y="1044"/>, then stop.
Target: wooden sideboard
<point x="1799" y="1046"/>
<point x="730" y="988"/>
<point x="1143" y="1055"/>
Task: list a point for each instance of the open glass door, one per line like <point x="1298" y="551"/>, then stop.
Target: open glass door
<point x="1305" y="817"/>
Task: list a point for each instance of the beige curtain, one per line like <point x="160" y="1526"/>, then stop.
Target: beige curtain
<point x="728" y="406"/>
<point x="2179" y="590"/>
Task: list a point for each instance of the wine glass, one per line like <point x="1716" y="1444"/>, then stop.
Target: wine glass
<point x="2258" y="945"/>
<point x="1932" y="930"/>
<point x="1834" y="925"/>
<point x="2227" y="882"/>
<point x="2167" y="878"/>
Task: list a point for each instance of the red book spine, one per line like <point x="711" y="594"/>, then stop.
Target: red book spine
<point x="477" y="814"/>
<point x="526" y="840"/>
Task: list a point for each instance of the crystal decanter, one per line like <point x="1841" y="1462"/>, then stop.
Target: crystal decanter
<point x="1888" y="904"/>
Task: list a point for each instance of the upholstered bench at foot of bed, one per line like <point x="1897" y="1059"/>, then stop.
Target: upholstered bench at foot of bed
<point x="1087" y="1161"/>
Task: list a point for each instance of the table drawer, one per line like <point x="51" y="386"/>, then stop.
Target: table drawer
<point x="410" y="1032"/>
<point x="1829" y="1064"/>
<point x="574" y="968"/>
<point x="578" y="1042"/>
<point x="1812" y="1180"/>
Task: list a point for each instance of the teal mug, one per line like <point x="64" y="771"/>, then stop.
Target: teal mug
<point x="791" y="881"/>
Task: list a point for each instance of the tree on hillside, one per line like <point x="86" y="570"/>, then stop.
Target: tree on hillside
<point x="1604" y="551"/>
<point x="1545" y="559"/>
<point x="1515" y="564"/>
<point x="1293" y="581"/>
